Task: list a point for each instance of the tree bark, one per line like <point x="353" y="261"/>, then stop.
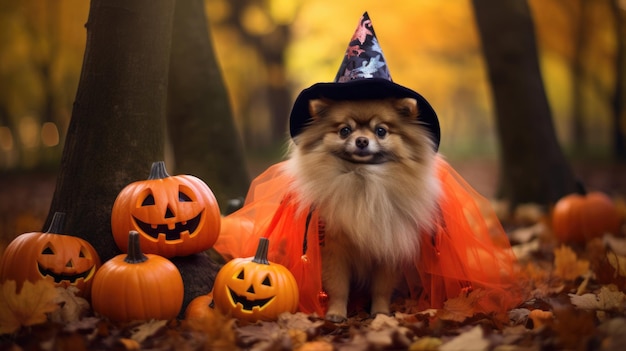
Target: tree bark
<point x="117" y="125"/>
<point x="200" y="123"/>
<point x="533" y="166"/>
<point x="619" y="93"/>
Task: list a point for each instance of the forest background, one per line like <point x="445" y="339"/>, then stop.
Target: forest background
<point x="270" y="50"/>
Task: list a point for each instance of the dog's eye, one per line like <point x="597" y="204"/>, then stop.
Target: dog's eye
<point x="345" y="132"/>
<point x="380" y="132"/>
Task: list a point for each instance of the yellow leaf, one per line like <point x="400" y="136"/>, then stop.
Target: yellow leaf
<point x="617" y="262"/>
<point x="29" y="307"/>
<point x="426" y="344"/>
<point x="567" y="265"/>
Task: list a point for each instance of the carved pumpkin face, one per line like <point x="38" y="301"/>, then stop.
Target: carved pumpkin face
<point x="174" y="215"/>
<point x="63" y="259"/>
<point x="253" y="288"/>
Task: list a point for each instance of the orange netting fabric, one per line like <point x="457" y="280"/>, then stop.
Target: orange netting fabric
<point x="469" y="252"/>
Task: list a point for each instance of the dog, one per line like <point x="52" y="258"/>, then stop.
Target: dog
<point x="369" y="168"/>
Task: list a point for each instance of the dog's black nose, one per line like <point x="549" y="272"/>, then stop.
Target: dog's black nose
<point x="361" y="142"/>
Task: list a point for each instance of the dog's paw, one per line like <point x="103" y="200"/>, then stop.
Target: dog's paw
<point x="335" y="318"/>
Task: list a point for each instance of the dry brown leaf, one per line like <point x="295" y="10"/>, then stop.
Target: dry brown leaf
<point x="567" y="265"/>
<point x="618" y="262"/>
<point x="616" y="245"/>
<point x="29" y="307"/>
<point x="608" y="299"/>
<point x="460" y="308"/>
<point x="72" y="307"/>
<point x="147" y="329"/>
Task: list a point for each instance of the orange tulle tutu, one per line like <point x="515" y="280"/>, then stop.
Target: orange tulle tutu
<point x="468" y="252"/>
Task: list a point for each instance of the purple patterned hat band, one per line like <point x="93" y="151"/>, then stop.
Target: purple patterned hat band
<point x="364" y="58"/>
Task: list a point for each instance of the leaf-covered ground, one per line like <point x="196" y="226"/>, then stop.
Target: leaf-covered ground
<point x="575" y="301"/>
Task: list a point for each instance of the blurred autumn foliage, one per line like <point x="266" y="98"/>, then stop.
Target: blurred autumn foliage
<point x="271" y="49"/>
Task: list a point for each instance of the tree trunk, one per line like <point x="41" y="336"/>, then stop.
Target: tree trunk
<point x="200" y="123"/>
<point x="619" y="92"/>
<point x="117" y="125"/>
<point x="533" y="166"/>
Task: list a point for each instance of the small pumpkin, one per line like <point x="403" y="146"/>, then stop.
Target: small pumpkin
<point x="200" y="307"/>
<point x="63" y="259"/>
<point x="174" y="215"/>
<point x="135" y="286"/>
<point x="581" y="217"/>
<point x="253" y="288"/>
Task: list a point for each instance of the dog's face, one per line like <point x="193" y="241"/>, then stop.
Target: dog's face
<point x="365" y="132"/>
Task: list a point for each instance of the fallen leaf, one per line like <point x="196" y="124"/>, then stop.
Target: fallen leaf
<point x="318" y="345"/>
<point x="567" y="265"/>
<point x="614" y="336"/>
<point x="461" y="307"/>
<point x="473" y="337"/>
<point x="27" y="308"/>
<point x="607" y="300"/>
<point x="147" y="329"/>
<point x="518" y="316"/>
<point x="129" y="344"/>
<point x="426" y="344"/>
<point x="616" y="245"/>
<point x="72" y="307"/>
<point x="382" y="321"/>
<point x="618" y="262"/>
<point x="540" y="318"/>
<point x="299" y="321"/>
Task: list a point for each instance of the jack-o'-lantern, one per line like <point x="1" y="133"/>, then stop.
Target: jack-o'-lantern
<point x="63" y="259"/>
<point x="255" y="289"/>
<point x="174" y="215"/>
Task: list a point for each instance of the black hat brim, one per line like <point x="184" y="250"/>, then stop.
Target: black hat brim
<point x="362" y="89"/>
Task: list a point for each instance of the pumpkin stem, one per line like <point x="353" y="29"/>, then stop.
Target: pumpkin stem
<point x="134" y="249"/>
<point x="261" y="251"/>
<point x="57" y="224"/>
<point x="158" y="171"/>
<point x="581" y="190"/>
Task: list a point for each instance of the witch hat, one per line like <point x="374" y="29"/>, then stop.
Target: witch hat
<point x="363" y="75"/>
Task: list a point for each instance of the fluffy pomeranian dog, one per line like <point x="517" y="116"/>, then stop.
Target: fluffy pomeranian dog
<point x="368" y="167"/>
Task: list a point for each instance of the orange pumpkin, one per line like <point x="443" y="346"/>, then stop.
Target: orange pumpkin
<point x="174" y="215"/>
<point x="135" y="286"/>
<point x="581" y="217"/>
<point x="255" y="289"/>
<point x="200" y="307"/>
<point x="63" y="259"/>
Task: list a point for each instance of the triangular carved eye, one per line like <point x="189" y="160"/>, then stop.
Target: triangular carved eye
<point x="82" y="253"/>
<point x="47" y="251"/>
<point x="148" y="201"/>
<point x="240" y="275"/>
<point x="182" y="197"/>
<point x="266" y="281"/>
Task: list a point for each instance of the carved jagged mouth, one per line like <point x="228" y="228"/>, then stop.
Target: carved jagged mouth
<point x="170" y="234"/>
<point x="248" y="305"/>
<point x="59" y="277"/>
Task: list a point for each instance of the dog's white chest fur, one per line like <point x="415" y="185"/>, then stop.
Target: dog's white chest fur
<point x="369" y="211"/>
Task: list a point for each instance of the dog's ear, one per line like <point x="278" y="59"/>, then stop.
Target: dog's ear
<point x="318" y="107"/>
<point x="407" y="107"/>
